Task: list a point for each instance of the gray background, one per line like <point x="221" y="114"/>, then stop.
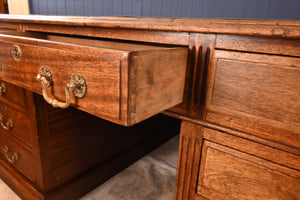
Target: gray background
<point x="264" y="9"/>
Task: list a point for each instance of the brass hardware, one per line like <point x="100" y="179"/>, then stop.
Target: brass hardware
<point x="9" y="124"/>
<point x="2" y="89"/>
<point x="12" y="159"/>
<point x="77" y="85"/>
<point x="4" y="108"/>
<point x="16" y="52"/>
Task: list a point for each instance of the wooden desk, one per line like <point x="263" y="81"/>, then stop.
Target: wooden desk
<point x="236" y="90"/>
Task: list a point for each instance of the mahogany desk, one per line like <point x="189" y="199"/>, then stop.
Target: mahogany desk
<point x="234" y="84"/>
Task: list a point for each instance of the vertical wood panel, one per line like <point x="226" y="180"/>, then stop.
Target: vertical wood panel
<point x="270" y="9"/>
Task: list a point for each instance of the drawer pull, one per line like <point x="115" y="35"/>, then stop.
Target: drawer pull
<point x="77" y="85"/>
<point x="13" y="158"/>
<point x="2" y="89"/>
<point x="16" y="52"/>
<point x="9" y="124"/>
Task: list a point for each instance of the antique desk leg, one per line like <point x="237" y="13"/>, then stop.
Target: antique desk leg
<point x="188" y="160"/>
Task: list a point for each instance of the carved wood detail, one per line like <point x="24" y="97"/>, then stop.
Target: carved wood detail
<point x="188" y="160"/>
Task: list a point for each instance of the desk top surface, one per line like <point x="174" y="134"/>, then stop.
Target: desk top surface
<point x="256" y="27"/>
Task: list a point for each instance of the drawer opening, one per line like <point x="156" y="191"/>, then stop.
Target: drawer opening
<point x="91" y="41"/>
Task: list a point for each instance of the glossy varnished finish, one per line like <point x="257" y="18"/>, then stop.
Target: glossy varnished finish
<point x="240" y="107"/>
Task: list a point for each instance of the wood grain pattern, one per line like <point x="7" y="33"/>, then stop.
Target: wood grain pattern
<point x="200" y="50"/>
<point x="230" y="174"/>
<point x="259" y="45"/>
<point x="18" y="182"/>
<point x="188" y="160"/>
<point x="157" y="81"/>
<point x="26" y="160"/>
<point x="21" y="122"/>
<point x="104" y="74"/>
<point x="271" y="28"/>
<point x="176" y="38"/>
<point x="14" y="96"/>
<point x="260" y="89"/>
<point x="281" y="157"/>
<point x="241" y="83"/>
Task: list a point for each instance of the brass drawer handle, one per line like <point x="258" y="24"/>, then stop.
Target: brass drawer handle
<point x="2" y="89"/>
<point x="9" y="124"/>
<point x="16" y="52"/>
<point x="13" y="158"/>
<point x="77" y="85"/>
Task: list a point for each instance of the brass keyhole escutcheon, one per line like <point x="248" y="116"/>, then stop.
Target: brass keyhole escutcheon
<point x="16" y="52"/>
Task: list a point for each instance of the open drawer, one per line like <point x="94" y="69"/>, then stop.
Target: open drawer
<point x="124" y="83"/>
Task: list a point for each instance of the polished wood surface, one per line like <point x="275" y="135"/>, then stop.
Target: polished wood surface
<point x="255" y="89"/>
<point x="240" y="105"/>
<point x="132" y="78"/>
<point x="277" y="28"/>
<point x="226" y="173"/>
<point x="73" y="150"/>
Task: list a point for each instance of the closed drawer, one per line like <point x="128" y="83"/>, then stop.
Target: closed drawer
<point x="256" y="93"/>
<point x="18" y="156"/>
<point x="235" y="168"/>
<point x="12" y="94"/>
<point x="125" y="83"/>
<point x="279" y="46"/>
<point x="16" y="123"/>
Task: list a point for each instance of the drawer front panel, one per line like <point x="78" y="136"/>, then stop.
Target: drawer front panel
<point x="248" y="88"/>
<point x="19" y="157"/>
<point x="259" y="44"/>
<point x="126" y="83"/>
<point x="226" y="173"/>
<point x="102" y="75"/>
<point x="13" y="94"/>
<point x="21" y="126"/>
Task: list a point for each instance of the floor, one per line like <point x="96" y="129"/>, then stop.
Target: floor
<point x="151" y="178"/>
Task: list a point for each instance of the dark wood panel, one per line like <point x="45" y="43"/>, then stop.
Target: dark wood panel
<point x="75" y="142"/>
<point x="13" y="94"/>
<point x="20" y="123"/>
<point x="25" y="160"/>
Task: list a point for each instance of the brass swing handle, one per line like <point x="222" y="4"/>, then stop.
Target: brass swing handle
<point x="77" y="85"/>
<point x="13" y="158"/>
<point x="9" y="124"/>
